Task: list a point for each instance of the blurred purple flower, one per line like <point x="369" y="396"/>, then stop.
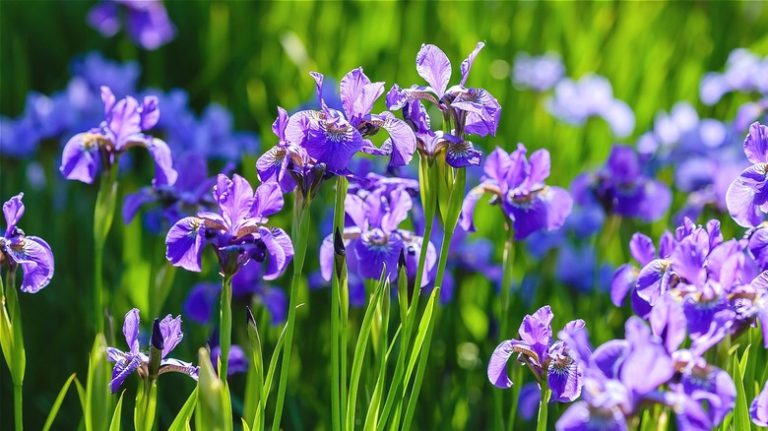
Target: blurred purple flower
<point x="238" y="362"/>
<point x="517" y="185"/>
<point x="592" y="96"/>
<point x="747" y="196"/>
<point x="539" y="73"/>
<point x="166" y="335"/>
<point x="745" y="72"/>
<point x="147" y="21"/>
<point x="621" y="188"/>
<point x="31" y="253"/>
<point x="758" y="410"/>
<point x="238" y="231"/>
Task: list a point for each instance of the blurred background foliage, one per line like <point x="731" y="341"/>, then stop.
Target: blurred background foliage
<point x="252" y="57"/>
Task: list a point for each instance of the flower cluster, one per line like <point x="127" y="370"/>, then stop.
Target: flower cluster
<point x="31" y="253"/>
<point x="538" y="73"/>
<point x="147" y="21"/>
<point x="745" y="72"/>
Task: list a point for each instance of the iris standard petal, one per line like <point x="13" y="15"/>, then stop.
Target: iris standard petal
<point x="744" y="196"/>
<point x="165" y="174"/>
<point x="121" y="370"/>
<point x="642" y="249"/>
<point x="756" y="143"/>
<point x="13" y="210"/>
<point x="268" y="200"/>
<point x="280" y="251"/>
<point x="536" y="331"/>
<point x="433" y="65"/>
<point x="170" y="328"/>
<point x="466" y="65"/>
<point x="131" y="330"/>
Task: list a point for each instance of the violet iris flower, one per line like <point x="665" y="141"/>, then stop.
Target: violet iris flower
<point x="147" y="21"/>
<point x="238" y="231"/>
<point x="471" y="111"/>
<point x="745" y="72"/>
<point x="246" y="284"/>
<point x="330" y="138"/>
<point x="621" y="188"/>
<point x="517" y="185"/>
<point x="747" y="197"/>
<point x="758" y="410"/>
<point x="237" y="361"/>
<point x="553" y="361"/>
<point x="166" y="335"/>
<point x="539" y="73"/>
<point x="87" y="154"/>
<point x="372" y="236"/>
<point x="31" y="253"/>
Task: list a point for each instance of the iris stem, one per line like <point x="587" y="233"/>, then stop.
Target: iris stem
<point x="102" y="222"/>
<point x="505" y="294"/>
<point x="225" y="326"/>
<point x="541" y="424"/>
<point x="17" y="407"/>
<point x="338" y="325"/>
<point x="299" y="233"/>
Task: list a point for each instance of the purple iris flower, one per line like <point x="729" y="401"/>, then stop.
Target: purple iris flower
<point x="32" y="253"/>
<point x="758" y="410"/>
<point x="86" y="154"/>
<point x="372" y="236"/>
<point x="577" y="267"/>
<point x="548" y="360"/>
<point x="539" y="73"/>
<point x="745" y="72"/>
<point x="471" y="111"/>
<point x="189" y="195"/>
<point x="747" y="197"/>
<point x="621" y="188"/>
<point x="238" y="361"/>
<point x="246" y="284"/>
<point x="238" y="231"/>
<point x="517" y="185"/>
<point x="331" y="138"/>
<point x="749" y="113"/>
<point x="166" y="335"/>
<point x="592" y="96"/>
<point x="147" y="21"/>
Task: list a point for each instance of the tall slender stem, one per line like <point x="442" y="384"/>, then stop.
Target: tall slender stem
<point x="225" y="326"/>
<point x="18" y="407"/>
<point x="506" y="282"/>
<point x="102" y="222"/>
<point x="541" y="424"/>
<point x="18" y="363"/>
<point x="338" y="327"/>
<point x="299" y="233"/>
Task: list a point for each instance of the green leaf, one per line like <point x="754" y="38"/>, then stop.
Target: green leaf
<point x="115" y="424"/>
<point x="181" y="422"/>
<point x="741" y="419"/>
<point x="57" y="403"/>
<point x="210" y="412"/>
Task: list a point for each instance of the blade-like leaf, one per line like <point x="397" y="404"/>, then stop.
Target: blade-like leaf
<point x="57" y="403"/>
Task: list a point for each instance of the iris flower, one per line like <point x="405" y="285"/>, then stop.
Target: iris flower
<point x="147" y="21"/>
<point x="465" y="110"/>
<point x="87" y="154"/>
<point x="238" y="231"/>
<point x="517" y="185"/>
<point x="166" y="335"/>
<point x="747" y="197"/>
<point x="32" y="253"/>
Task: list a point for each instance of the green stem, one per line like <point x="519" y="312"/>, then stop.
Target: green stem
<point x="299" y="233"/>
<point x="338" y="328"/>
<point x="517" y="378"/>
<point x="541" y="424"/>
<point x="17" y="407"/>
<point x="103" y="214"/>
<point x="225" y="326"/>
<point x="506" y="287"/>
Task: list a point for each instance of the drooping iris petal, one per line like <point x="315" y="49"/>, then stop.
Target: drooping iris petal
<point x="756" y="143"/>
<point x="536" y="331"/>
<point x="647" y="354"/>
<point x="81" y="158"/>
<point x="433" y="65"/>
<point x="668" y="322"/>
<point x="746" y="196"/>
<point x="565" y="378"/>
<point x="466" y="219"/>
<point x="497" y="365"/>
<point x="131" y="329"/>
<point x="37" y="265"/>
<point x="483" y="112"/>
<point x="461" y="154"/>
<point x="280" y="251"/>
<point x="623" y="281"/>
<point x="719" y="389"/>
<point x="378" y="251"/>
<point x="401" y="139"/>
<point x="121" y="370"/>
<point x="758" y="410"/>
<point x="545" y="210"/>
<point x="332" y="140"/>
<point x="653" y="280"/>
<point x="185" y="242"/>
<point x="609" y="357"/>
<point x="174" y="365"/>
<point x="276" y="302"/>
<point x="327" y="258"/>
<point x="170" y="328"/>
<point x="165" y="175"/>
